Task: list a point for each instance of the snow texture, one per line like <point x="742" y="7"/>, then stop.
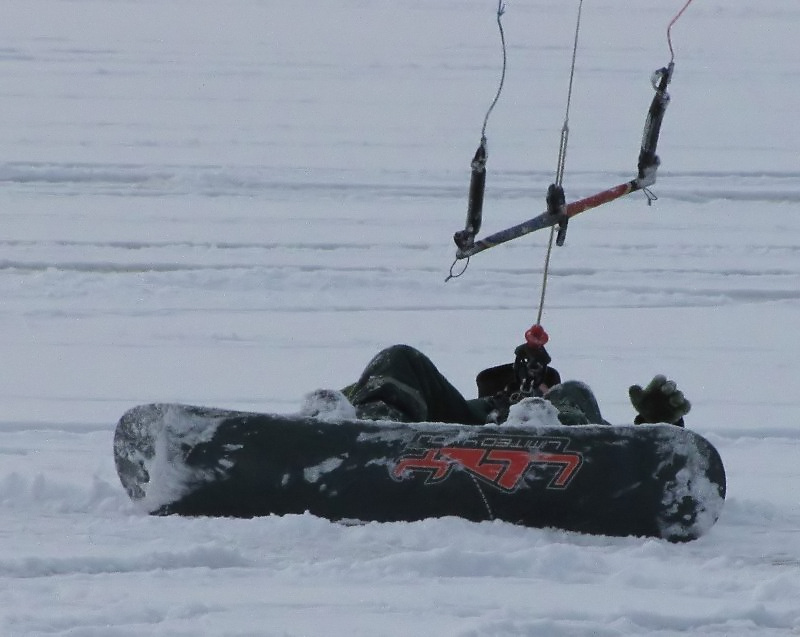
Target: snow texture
<point x="691" y="482"/>
<point x="232" y="204"/>
<point x="313" y="474"/>
<point x="532" y="412"/>
<point x="327" y="405"/>
<point x="170" y="478"/>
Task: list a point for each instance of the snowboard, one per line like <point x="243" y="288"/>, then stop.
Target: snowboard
<point x="630" y="480"/>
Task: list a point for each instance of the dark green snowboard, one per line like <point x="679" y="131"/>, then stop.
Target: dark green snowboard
<point x="644" y="480"/>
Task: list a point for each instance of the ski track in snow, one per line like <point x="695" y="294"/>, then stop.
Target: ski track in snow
<point x="234" y="205"/>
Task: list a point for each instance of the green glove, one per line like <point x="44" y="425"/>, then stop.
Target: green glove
<point x="660" y="401"/>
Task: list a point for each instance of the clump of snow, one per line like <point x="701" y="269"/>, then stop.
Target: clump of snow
<point x="691" y="482"/>
<point x="327" y="405"/>
<point x="533" y="412"/>
<point x="170" y="477"/>
<point x="313" y="474"/>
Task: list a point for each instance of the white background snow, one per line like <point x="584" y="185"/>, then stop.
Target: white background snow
<point x="233" y="203"/>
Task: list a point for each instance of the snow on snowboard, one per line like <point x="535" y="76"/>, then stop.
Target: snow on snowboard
<point x="645" y="480"/>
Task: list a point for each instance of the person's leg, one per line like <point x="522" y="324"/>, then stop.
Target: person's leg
<point x="576" y="403"/>
<point x="405" y="379"/>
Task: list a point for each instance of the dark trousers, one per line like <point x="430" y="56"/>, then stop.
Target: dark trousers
<point x="406" y="379"/>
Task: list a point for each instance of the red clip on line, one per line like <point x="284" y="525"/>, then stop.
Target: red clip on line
<point x="536" y="336"/>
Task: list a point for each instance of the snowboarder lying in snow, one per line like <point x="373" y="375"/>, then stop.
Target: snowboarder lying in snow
<point x="402" y="384"/>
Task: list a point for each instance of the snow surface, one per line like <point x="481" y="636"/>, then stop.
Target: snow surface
<point x="233" y="204"/>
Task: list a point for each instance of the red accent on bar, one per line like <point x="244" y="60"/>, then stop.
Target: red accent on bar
<point x="577" y="207"/>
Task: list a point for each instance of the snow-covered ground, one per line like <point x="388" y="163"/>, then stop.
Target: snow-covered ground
<point x="234" y="203"/>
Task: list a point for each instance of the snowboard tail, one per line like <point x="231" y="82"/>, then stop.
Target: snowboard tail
<point x="646" y="480"/>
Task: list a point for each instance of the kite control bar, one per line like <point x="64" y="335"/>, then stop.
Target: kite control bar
<point x="647" y="166"/>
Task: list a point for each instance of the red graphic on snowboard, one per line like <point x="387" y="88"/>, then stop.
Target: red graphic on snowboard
<point x="501" y="462"/>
